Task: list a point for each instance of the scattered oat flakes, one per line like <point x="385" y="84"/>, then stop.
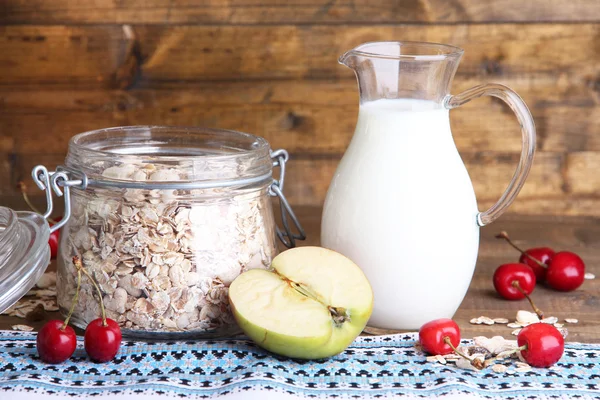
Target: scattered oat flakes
<point x="550" y="320"/>
<point x="440" y="359"/>
<point x="571" y="320"/>
<point x="500" y="320"/>
<point x="42" y="292"/>
<point x="495" y="345"/>
<point x="47" y="280"/>
<point x="513" y="325"/>
<point x="589" y="275"/>
<point x="526" y="317"/>
<point x="510" y="372"/>
<point x="451" y="357"/>
<point x="557" y="325"/>
<point x="24" y="328"/>
<point x="505" y="354"/>
<point x="431" y="359"/>
<point x="516" y="332"/>
<point x="482" y="320"/>
<point x="499" y="368"/>
<point x="520" y="364"/>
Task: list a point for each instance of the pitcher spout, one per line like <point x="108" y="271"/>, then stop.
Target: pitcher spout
<point x="391" y="70"/>
<point x="348" y="59"/>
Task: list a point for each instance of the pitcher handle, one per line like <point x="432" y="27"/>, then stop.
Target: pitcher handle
<point x="514" y="101"/>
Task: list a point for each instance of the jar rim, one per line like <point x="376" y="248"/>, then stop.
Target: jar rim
<point x="200" y="154"/>
<point x="76" y="141"/>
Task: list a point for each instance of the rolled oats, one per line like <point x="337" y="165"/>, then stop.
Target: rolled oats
<point x="164" y="259"/>
<point x="571" y="320"/>
<point x="526" y="317"/>
<point x="24" y="328"/>
<point x="499" y="368"/>
<point x="550" y="320"/>
<point x="495" y="345"/>
<point x="40" y="299"/>
<point x="482" y="320"/>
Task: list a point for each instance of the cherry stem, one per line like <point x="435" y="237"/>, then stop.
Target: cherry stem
<point x="510" y="353"/>
<point x="517" y="286"/>
<point x="22" y="187"/>
<point x="474" y="362"/>
<point x="504" y="235"/>
<point x="75" y="298"/>
<point x="79" y="265"/>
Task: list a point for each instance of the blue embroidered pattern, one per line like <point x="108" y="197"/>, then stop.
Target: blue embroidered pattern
<point x="372" y="367"/>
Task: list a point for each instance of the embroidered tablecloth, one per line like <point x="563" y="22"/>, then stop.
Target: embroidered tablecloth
<point x="375" y="367"/>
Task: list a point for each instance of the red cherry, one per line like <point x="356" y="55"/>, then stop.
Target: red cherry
<point x="56" y="342"/>
<point x="544" y="344"/>
<point x="54" y="240"/>
<point x="505" y="276"/>
<point x="102" y="341"/>
<point x="541" y="254"/>
<point x="432" y="336"/>
<point x="566" y="271"/>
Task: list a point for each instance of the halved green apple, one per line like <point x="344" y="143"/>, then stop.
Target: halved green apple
<point x="312" y="305"/>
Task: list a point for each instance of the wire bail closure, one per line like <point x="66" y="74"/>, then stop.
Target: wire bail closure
<point x="280" y="157"/>
<point x="61" y="181"/>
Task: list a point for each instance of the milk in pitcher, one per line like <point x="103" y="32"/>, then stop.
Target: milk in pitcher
<point x="406" y="197"/>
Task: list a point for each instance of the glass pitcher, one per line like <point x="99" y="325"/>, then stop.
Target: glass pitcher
<point x="401" y="204"/>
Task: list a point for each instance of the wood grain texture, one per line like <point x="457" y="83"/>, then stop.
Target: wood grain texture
<point x="294" y="11"/>
<point x="97" y="55"/>
<point x="316" y="117"/>
<point x="576" y="234"/>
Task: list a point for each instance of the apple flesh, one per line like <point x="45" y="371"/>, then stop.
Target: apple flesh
<point x="312" y="305"/>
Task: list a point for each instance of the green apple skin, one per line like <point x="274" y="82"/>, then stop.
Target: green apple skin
<point x="280" y="319"/>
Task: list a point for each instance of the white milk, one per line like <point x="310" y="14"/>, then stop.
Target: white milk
<point x="402" y="207"/>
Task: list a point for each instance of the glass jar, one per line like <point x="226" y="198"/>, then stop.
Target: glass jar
<point x="24" y="253"/>
<point x="164" y="219"/>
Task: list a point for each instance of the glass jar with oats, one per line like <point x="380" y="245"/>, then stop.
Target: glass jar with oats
<point x="164" y="219"/>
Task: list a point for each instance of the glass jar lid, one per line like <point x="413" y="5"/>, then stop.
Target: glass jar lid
<point x="24" y="253"/>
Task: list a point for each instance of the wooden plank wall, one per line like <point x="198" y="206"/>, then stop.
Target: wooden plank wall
<point x="270" y="67"/>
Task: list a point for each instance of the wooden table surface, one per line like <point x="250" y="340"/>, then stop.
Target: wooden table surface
<point x="577" y="234"/>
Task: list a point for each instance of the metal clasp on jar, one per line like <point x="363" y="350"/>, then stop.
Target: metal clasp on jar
<point x="280" y="157"/>
<point x="61" y="180"/>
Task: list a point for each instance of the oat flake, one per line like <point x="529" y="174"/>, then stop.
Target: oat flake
<point x="24" y="328"/>
<point x="499" y="368"/>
